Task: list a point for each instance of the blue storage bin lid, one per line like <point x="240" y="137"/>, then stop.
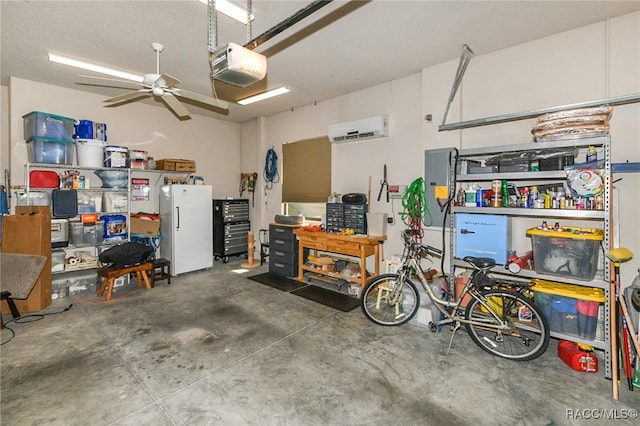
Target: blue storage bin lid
<point x="57" y="117"/>
<point x="47" y="140"/>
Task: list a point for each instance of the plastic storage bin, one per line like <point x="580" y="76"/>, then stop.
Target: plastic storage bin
<point x="34" y="199"/>
<point x="50" y="151"/>
<point x="570" y="309"/>
<point x="570" y="253"/>
<point x="93" y="233"/>
<point x="45" y="125"/>
<point x="86" y="233"/>
<point x="76" y="234"/>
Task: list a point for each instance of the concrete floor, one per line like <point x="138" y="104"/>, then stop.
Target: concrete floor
<point x="214" y="348"/>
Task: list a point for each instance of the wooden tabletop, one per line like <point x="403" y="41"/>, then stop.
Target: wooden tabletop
<point x="360" y="238"/>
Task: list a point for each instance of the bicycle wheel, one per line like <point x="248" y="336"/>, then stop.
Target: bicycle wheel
<point x="377" y="306"/>
<point x="527" y="335"/>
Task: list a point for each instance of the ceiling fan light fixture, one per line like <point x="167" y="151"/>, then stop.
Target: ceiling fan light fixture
<point x="93" y="67"/>
<point x="231" y="10"/>
<point x="265" y="95"/>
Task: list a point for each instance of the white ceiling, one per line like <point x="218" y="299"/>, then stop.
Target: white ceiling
<point x="344" y="47"/>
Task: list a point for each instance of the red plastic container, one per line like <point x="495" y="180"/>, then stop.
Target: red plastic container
<point x="576" y="358"/>
<point x="43" y="179"/>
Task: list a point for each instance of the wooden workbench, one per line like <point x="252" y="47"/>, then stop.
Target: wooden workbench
<point x="360" y="246"/>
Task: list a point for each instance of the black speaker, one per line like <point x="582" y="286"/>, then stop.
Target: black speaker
<point x="354" y="198"/>
<point x="64" y="203"/>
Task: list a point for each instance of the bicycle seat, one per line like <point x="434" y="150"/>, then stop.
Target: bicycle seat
<point x="480" y="262"/>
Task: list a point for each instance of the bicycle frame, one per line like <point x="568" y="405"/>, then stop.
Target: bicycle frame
<point x="411" y="264"/>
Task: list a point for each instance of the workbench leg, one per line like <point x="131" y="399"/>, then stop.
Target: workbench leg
<point x="363" y="268"/>
<point x="300" y="261"/>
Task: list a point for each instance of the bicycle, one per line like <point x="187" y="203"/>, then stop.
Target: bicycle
<point x="501" y="321"/>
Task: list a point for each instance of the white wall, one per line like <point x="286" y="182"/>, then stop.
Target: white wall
<point x="213" y="144"/>
<point x="588" y="63"/>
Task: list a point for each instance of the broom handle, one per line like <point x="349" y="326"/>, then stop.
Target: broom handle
<point x="614" y="334"/>
<point x="632" y="331"/>
<point x="613" y="327"/>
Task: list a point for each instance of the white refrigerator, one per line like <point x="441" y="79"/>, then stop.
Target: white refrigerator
<point x="186" y="227"/>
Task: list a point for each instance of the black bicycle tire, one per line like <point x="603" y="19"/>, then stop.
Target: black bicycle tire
<point x="376" y="281"/>
<point x="543" y="342"/>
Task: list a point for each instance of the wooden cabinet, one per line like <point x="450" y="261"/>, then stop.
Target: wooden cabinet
<point x="29" y="232"/>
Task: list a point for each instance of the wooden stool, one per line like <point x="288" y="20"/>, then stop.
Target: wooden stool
<point x="110" y="274"/>
<point x="164" y="273"/>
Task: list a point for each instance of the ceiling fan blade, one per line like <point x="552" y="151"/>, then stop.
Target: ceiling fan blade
<point x="218" y="103"/>
<point x="169" y="80"/>
<point x="175" y="105"/>
<point x="128" y="96"/>
<point x="135" y="83"/>
<point x="109" y="86"/>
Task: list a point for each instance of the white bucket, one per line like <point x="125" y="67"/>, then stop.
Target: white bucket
<point x="90" y="152"/>
<point x="377" y="224"/>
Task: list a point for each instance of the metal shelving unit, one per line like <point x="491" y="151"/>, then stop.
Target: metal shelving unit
<point x="93" y="189"/>
<point x="600" y="218"/>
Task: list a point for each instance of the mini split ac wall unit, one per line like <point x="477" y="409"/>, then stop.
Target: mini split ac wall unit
<point x="367" y="128"/>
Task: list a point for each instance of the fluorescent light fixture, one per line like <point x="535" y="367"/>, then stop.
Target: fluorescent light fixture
<point x="231" y="10"/>
<point x="263" y="96"/>
<point x="93" y="67"/>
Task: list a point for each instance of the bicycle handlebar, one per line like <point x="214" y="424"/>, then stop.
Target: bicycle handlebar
<point x="407" y="235"/>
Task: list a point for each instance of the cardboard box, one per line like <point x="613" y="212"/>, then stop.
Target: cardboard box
<point x="144" y="226"/>
<point x="176" y="165"/>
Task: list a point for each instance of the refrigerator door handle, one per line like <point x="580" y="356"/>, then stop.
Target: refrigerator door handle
<point x="178" y="217"/>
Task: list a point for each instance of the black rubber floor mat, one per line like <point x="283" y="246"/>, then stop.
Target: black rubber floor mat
<point x="332" y="299"/>
<point x="277" y="282"/>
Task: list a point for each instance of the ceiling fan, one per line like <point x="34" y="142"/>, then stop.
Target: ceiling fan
<point x="163" y="86"/>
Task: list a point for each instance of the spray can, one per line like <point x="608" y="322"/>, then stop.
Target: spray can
<point x="534" y="198"/>
<point x="524" y="197"/>
<point x="592" y="155"/>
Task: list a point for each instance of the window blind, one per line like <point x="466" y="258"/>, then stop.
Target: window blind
<point x="306" y="171"/>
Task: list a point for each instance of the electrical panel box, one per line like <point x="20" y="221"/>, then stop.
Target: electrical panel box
<point x="437" y="175"/>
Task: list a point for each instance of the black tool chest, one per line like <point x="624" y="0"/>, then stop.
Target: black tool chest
<point x="230" y="228"/>
<point x="283" y="250"/>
